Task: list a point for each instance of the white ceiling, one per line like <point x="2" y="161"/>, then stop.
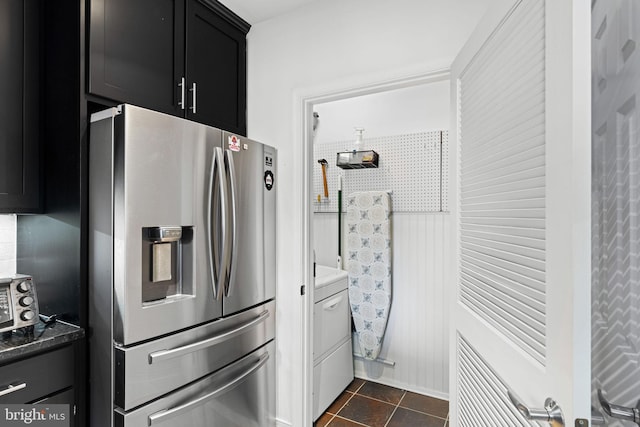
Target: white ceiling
<point x="254" y="11"/>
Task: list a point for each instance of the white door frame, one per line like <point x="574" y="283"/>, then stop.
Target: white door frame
<point x="304" y="101"/>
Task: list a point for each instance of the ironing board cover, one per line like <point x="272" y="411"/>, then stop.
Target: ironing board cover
<point x="369" y="267"/>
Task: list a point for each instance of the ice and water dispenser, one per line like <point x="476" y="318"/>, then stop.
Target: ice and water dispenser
<point x="167" y="258"/>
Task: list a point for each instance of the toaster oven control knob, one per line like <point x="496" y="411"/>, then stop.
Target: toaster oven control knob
<point x="26" y="301"/>
<point x="24" y="286"/>
<point x="27" y="315"/>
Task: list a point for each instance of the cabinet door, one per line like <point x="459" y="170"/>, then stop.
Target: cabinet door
<point x="217" y="65"/>
<point x="64" y="397"/>
<point x="136" y="52"/>
<point x="19" y="110"/>
<point x="30" y="379"/>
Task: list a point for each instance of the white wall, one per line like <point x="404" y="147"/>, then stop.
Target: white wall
<point x="323" y="47"/>
<point x="7" y="245"/>
<point x="407" y="110"/>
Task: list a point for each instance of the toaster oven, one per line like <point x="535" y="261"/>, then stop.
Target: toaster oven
<point x="18" y="302"/>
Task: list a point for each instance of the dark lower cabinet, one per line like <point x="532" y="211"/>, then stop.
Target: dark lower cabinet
<point x="182" y="57"/>
<point x="48" y="377"/>
<point x="20" y="51"/>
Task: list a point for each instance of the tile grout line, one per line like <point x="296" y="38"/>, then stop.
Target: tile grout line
<point x="395" y="409"/>
<point x="403" y="407"/>
<point x="396" y="406"/>
<point x="361" y="385"/>
<point x="424" y="413"/>
<point x="377" y="400"/>
<point x="350" y="420"/>
<point x="330" y="419"/>
<point x="345" y="404"/>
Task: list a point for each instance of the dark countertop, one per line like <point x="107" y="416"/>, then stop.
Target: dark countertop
<point x="20" y="343"/>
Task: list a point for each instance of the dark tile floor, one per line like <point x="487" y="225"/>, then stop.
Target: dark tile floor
<point x="365" y="403"/>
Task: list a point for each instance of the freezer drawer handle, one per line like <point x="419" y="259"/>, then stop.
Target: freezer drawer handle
<point x="158" y="356"/>
<point x="165" y="414"/>
<point x="12" y="389"/>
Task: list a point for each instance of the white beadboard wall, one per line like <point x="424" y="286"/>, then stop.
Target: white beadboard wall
<point x="7" y="245"/>
<point x="417" y="333"/>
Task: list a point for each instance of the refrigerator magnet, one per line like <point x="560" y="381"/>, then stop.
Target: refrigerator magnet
<point x="234" y="143"/>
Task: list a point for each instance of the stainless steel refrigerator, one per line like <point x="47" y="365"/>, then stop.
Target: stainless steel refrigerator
<point x="182" y="273"/>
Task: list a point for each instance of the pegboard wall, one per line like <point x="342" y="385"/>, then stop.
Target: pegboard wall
<point x="415" y="167"/>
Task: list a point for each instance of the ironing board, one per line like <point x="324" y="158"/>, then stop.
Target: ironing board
<point x="368" y="228"/>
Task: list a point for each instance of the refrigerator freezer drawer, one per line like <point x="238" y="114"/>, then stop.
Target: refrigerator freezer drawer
<point x="236" y="396"/>
<point x="149" y="370"/>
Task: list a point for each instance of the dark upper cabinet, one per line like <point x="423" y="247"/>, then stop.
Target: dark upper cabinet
<point x="19" y="110"/>
<point x="137" y="52"/>
<point x="182" y="57"/>
<point x="216" y="64"/>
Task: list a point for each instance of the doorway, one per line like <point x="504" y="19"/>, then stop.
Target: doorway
<point x="309" y="104"/>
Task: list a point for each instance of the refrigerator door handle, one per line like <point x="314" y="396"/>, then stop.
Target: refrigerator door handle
<point x="216" y="266"/>
<point x="158" y="356"/>
<point x="230" y="265"/>
<point x="161" y="416"/>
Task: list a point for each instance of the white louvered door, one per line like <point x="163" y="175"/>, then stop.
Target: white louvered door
<point x="521" y="181"/>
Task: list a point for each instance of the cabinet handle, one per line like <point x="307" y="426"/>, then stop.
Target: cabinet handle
<point x="330" y="305"/>
<point x="193" y="98"/>
<point x="12" y="388"/>
<point x="181" y="86"/>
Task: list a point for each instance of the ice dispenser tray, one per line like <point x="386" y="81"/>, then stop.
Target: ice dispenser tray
<point x="165" y="250"/>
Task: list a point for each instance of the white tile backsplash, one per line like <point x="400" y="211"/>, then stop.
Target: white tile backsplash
<point x="7" y="245"/>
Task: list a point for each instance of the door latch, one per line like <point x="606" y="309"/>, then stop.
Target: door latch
<point x="551" y="412"/>
<point x="620" y="412"/>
